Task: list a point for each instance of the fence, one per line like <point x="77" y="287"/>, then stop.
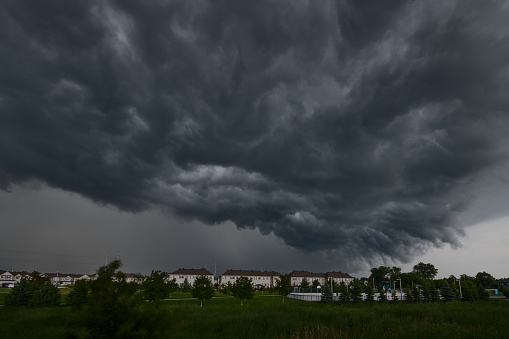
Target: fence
<point x="318" y="296"/>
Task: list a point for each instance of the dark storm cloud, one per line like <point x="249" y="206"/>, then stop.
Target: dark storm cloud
<point x="354" y="127"/>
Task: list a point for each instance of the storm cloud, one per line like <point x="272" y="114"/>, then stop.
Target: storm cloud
<point x="358" y="128"/>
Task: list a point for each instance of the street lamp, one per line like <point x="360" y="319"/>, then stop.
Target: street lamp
<point x="400" y="290"/>
<point x="459" y="280"/>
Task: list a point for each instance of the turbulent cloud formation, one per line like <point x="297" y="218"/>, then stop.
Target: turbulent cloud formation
<point x="351" y="127"/>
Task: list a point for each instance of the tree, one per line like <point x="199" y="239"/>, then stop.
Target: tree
<point x="409" y="296"/>
<point x="114" y="308"/>
<point x="327" y="296"/>
<point x="486" y="280"/>
<point x="78" y="296"/>
<point x="426" y="271"/>
<point x="243" y="289"/>
<point x="370" y="293"/>
<point x="202" y="289"/>
<point x="416" y="294"/>
<point x="355" y="291"/>
<point x="447" y="292"/>
<point x="382" y="297"/>
<point x="155" y="286"/>
<point x="316" y="283"/>
<point x="186" y="286"/>
<point x="173" y="286"/>
<point x="304" y="283"/>
<point x="284" y="286"/>
<point x="35" y="292"/>
<point x="227" y="289"/>
<point x="344" y="291"/>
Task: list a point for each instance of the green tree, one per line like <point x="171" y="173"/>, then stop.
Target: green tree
<point x="21" y="294"/>
<point x="447" y="292"/>
<point x="344" y="291"/>
<point x="486" y="280"/>
<point x="173" y="286"/>
<point x="203" y="289"/>
<point x="409" y="296"/>
<point x="304" y="283"/>
<point x="382" y="297"/>
<point x="284" y="286"/>
<point x="227" y="289"/>
<point x="186" y="286"/>
<point x="35" y="292"/>
<point x="78" y="296"/>
<point x="114" y="309"/>
<point x="370" y="293"/>
<point x="416" y="294"/>
<point x="426" y="271"/>
<point x="46" y="294"/>
<point x="243" y="289"/>
<point x="155" y="286"/>
<point x="355" y="291"/>
<point x="316" y="283"/>
<point x="327" y="296"/>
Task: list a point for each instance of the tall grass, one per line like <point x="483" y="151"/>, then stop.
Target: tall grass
<point x="268" y="317"/>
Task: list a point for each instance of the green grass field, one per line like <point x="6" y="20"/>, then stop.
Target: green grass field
<point x="268" y="317"/>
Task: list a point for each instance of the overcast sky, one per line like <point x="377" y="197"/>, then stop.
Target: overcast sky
<point x="275" y="135"/>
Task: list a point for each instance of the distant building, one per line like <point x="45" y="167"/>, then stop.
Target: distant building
<point x="504" y="282"/>
<point x="259" y="279"/>
<point x="190" y="274"/>
<point x="296" y="277"/>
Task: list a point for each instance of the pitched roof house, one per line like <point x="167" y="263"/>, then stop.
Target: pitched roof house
<point x="190" y="274"/>
<point x="259" y="278"/>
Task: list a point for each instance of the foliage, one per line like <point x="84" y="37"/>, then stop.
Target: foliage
<point x="382" y="297"/>
<point x="344" y="295"/>
<point x="426" y="271"/>
<point x="203" y="289"/>
<point x="186" y="286"/>
<point x="394" y="296"/>
<point x="266" y="317"/>
<point x="155" y="286"/>
<point x="35" y="292"/>
<point x="227" y="289"/>
<point x="486" y="280"/>
<point x="243" y="289"/>
<point x="355" y="291"/>
<point x="172" y="286"/>
<point x="284" y="286"/>
<point x="304" y="283"/>
<point x="447" y="292"/>
<point x="384" y="273"/>
<point x="316" y="283"/>
<point x="370" y="293"/>
<point x="327" y="296"/>
<point x="416" y="294"/>
<point x="78" y="296"/>
<point x="409" y="297"/>
<point x="114" y="309"/>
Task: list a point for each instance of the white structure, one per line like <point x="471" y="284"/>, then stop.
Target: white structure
<point x="190" y="274"/>
<point x="259" y="278"/>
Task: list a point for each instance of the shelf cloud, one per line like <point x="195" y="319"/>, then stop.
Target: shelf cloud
<point x="357" y="128"/>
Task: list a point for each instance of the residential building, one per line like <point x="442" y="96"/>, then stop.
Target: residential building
<point x="296" y="277"/>
<point x="266" y="279"/>
<point x="190" y="274"/>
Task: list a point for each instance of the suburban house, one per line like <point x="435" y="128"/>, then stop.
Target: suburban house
<point x="259" y="278"/>
<point x="296" y="277"/>
<point x="66" y="279"/>
<point x="190" y="274"/>
<point x="13" y="277"/>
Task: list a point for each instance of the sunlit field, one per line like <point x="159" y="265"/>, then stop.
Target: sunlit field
<point x="268" y="317"/>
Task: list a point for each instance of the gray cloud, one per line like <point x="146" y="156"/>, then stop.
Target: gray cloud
<point x="355" y="128"/>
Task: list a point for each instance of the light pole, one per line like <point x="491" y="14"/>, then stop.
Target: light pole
<point x="459" y="280"/>
<point x="400" y="290"/>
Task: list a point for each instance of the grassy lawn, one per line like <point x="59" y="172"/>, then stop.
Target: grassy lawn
<point x="268" y="317"/>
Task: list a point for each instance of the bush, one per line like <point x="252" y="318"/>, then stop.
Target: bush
<point x="36" y="292"/>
